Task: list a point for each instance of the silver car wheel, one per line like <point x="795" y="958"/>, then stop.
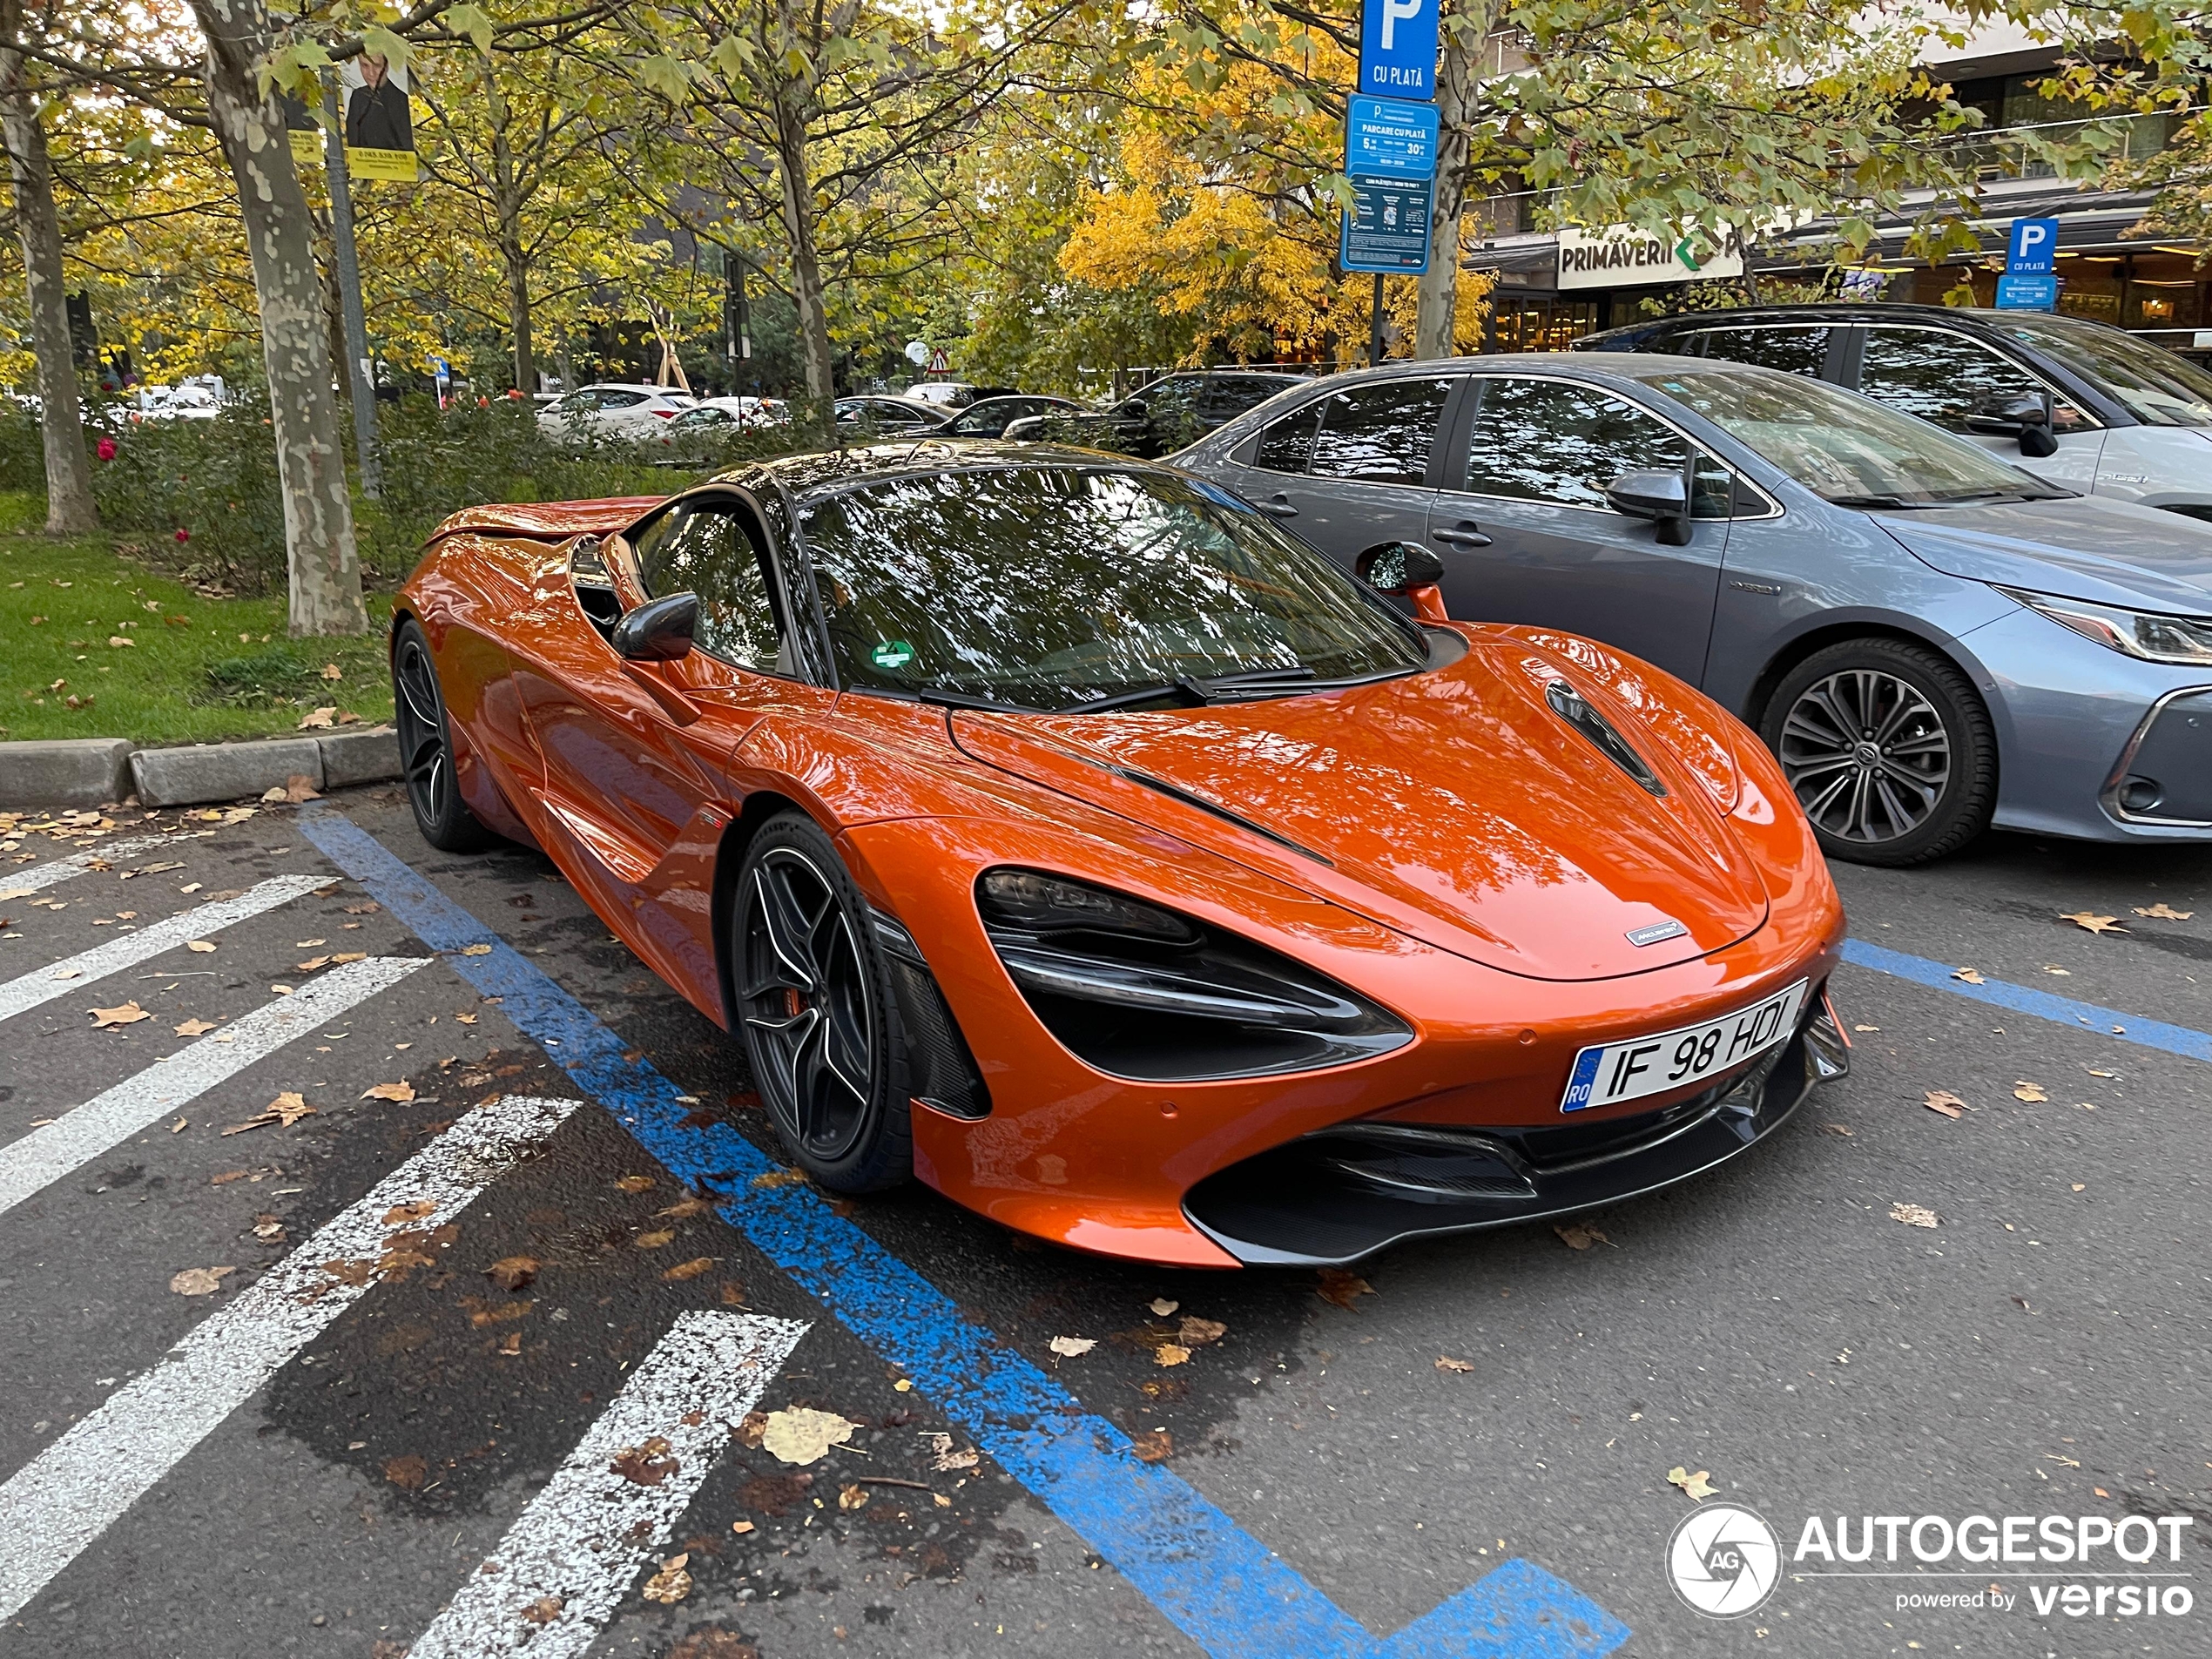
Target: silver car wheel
<point x="1867" y="755"/>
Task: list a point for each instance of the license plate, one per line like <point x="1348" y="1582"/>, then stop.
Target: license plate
<point x="1613" y="1072"/>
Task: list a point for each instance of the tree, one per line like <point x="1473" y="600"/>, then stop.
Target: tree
<point x="69" y="468"/>
<point x="323" y="566"/>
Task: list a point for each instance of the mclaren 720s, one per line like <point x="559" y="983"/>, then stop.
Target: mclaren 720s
<point x="1058" y="829"/>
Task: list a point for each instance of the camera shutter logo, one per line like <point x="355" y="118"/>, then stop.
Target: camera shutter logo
<point x="1723" y="1561"/>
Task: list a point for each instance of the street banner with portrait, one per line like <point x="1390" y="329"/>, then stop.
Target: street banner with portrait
<point x="379" y="122"/>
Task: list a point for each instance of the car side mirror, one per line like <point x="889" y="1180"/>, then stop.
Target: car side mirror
<point x="2025" y="415"/>
<point x="1660" y="496"/>
<point x="1407" y="568"/>
<point x="659" y="630"/>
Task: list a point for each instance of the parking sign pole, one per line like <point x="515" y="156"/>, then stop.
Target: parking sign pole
<point x="1389" y="143"/>
<point x="1375" y="329"/>
<point x="359" y="378"/>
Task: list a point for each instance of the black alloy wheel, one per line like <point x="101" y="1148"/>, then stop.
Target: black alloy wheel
<point x="1888" y="748"/>
<point x="426" y="748"/>
<point x="814" y="1002"/>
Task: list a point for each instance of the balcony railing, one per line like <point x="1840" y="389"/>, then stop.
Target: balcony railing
<point x="2059" y="149"/>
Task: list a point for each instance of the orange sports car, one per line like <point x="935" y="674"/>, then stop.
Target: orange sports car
<point x="1057" y="829"/>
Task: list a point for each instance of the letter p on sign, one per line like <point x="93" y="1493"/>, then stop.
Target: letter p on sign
<point x="1393" y="13"/>
<point x="1398" y="49"/>
<point x="2033" y="248"/>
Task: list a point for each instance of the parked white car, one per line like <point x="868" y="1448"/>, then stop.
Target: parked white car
<point x="612" y="409"/>
<point x="953" y="395"/>
<point x="197" y="399"/>
<point x="749" y="412"/>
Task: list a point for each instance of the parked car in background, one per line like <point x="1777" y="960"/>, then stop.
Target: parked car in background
<point x="885" y="417"/>
<point x="2091" y="405"/>
<point x="200" y="398"/>
<point x="612" y="410"/>
<point x="753" y="413"/>
<point x="1931" y="638"/>
<point x="989" y="417"/>
<point x="1174" y="410"/>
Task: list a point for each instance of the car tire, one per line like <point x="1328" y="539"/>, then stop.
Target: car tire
<point x="815" y="1008"/>
<point x="1888" y="747"/>
<point x="426" y="748"/>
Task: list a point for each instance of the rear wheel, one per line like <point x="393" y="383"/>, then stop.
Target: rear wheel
<point x="1888" y="748"/>
<point x="814" y="1002"/>
<point x="426" y="748"/>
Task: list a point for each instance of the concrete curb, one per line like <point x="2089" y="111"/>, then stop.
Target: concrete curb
<point x="94" y="772"/>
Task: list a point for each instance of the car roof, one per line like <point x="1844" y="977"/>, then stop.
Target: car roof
<point x="832" y="469"/>
<point x="1971" y="319"/>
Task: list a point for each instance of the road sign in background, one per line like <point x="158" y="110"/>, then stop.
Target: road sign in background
<point x="1389" y="137"/>
<point x="1397" y="48"/>
<point x="1387" y="228"/>
<point x="2030" y="282"/>
<point x="2027" y="292"/>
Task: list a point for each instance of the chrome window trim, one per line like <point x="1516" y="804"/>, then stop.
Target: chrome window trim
<point x="2109" y="797"/>
<point x="1866" y="327"/>
<point x="1775" y="509"/>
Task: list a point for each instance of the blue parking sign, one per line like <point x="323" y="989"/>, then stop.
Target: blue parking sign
<point x="2033" y="249"/>
<point x="1397" y="48"/>
<point x="1390" y="137"/>
<point x="1386" y="229"/>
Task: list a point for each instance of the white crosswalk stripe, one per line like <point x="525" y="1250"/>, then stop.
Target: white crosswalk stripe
<point x="561" y="1568"/>
<point x="73" y="1491"/>
<point x="49" y="1152"/>
<point x="128" y="950"/>
<point x="21" y="883"/>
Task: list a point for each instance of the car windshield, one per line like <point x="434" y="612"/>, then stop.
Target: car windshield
<point x="1847" y="449"/>
<point x="2150" y="382"/>
<point x="1056" y="587"/>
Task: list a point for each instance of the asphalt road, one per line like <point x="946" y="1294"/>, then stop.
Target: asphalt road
<point x="356" y="1439"/>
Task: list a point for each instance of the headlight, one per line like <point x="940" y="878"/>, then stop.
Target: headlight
<point x="2138" y="633"/>
<point x="1139" y="992"/>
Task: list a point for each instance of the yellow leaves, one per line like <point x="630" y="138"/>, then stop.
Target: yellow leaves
<point x="1971" y="975"/>
<point x="671" y="1584"/>
<point x="802" y="1435"/>
<point x="1698" y="1486"/>
<point x="653" y="1240"/>
<point x="852" y="1496"/>
<point x="200" y="1281"/>
<point x="2028" y="1091"/>
<point x="199" y="947"/>
<point x="475" y="950"/>
<point x="1171" y="1353"/>
<point x="691" y="1269"/>
<point x="634" y="1183"/>
<point x="779" y="1178"/>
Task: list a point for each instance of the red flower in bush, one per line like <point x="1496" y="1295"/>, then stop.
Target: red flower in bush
<point x="183" y="535"/>
<point x="105" y="448"/>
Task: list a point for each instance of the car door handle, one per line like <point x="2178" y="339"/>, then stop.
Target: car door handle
<point x="1466" y="535"/>
<point x="1278" y="506"/>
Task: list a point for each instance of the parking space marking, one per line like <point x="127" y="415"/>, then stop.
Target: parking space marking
<point x="2020" y="998"/>
<point x="73" y="973"/>
<point x="1224" y="1588"/>
<point x="561" y="1570"/>
<point x="45" y="876"/>
<point x="63" y="1498"/>
<point x="32" y="1162"/>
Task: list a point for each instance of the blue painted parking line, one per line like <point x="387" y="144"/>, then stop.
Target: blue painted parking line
<point x="1225" y="1589"/>
<point x="2062" y="1010"/>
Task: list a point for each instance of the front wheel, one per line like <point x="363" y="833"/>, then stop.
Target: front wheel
<point x="1889" y="749"/>
<point x="426" y="748"/>
<point x="815" y="1007"/>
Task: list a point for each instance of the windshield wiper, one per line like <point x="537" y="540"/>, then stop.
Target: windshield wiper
<point x="1187" y="690"/>
<point x="962" y="700"/>
<point x="1260" y="677"/>
<point x="1201" y="691"/>
<point x="1867" y="501"/>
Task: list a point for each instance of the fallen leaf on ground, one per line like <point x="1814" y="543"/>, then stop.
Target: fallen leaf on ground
<point x="408" y="1472"/>
<point x="332" y="671"/>
<point x="803" y="1436"/>
<point x="195" y="1028"/>
<point x="1340" y="1287"/>
<point x="653" y="1240"/>
<point x="203" y="945"/>
<point x="475" y="950"/>
<point x="852" y="1496"/>
<point x="2163" y="912"/>
<point x="779" y="1178"/>
<point x="647" y="1464"/>
<point x="741" y="1527"/>
<point x="368" y="907"/>
<point x="2090" y="921"/>
<point x="544" y="1610"/>
<point x="338" y="959"/>
<point x="284" y="1112"/>
<point x="1197" y="1332"/>
<point x="512" y="1345"/>
<point x="1915" y="1215"/>
<point x="1696" y="1484"/>
<point x="1971" y="975"/>
<point x="1069" y="1347"/>
<point x="299" y="788"/>
<point x="414" y="1210"/>
<point x="1171" y="1353"/>
<point x="318" y="719"/>
<point x="311" y="964"/>
<point x="1844" y="1129"/>
<point x="1162" y="1306"/>
<point x="129" y="1014"/>
<point x="1154" y="1447"/>
<point x="1577" y="1234"/>
<point x="1942" y="1100"/>
<point x="512" y="1272"/>
<point x="691" y="1269"/>
<point x="117" y="642"/>
<point x="941" y="1455"/>
<point x="200" y="1281"/>
<point x="1444" y="1362"/>
<point x="2025" y="1090"/>
<point x="634" y="1183"/>
<point x="684" y="1209"/>
<point x="671" y="1584"/>
<point x="2078" y="1187"/>
<point x="400" y="1092"/>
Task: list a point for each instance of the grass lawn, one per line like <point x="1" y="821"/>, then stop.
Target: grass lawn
<point x="193" y="669"/>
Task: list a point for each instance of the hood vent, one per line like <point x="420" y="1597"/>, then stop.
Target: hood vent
<point x="1566" y="702"/>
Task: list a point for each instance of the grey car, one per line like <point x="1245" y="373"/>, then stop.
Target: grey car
<point x="1931" y="639"/>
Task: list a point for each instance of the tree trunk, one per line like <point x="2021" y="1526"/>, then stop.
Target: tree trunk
<point x="1465" y="31"/>
<point x="799" y="225"/>
<point x="507" y="203"/>
<point x="69" y="469"/>
<point x="325" y="570"/>
<point x="518" y="311"/>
